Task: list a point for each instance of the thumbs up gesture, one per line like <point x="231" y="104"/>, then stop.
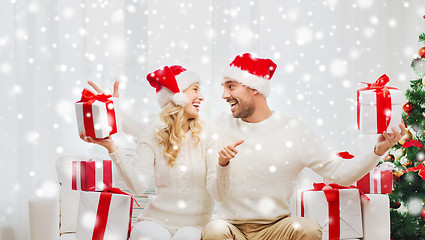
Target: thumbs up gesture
<point x="228" y="152"/>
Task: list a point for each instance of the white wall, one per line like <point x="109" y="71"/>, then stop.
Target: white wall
<point x="49" y="49"/>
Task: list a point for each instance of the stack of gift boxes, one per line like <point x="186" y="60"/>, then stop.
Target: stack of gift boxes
<point x="349" y="212"/>
<point x="104" y="212"/>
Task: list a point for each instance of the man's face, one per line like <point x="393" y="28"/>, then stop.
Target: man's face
<point x="239" y="97"/>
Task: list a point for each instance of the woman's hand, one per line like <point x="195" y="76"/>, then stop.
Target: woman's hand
<point x="107" y="142"/>
<point x="99" y="90"/>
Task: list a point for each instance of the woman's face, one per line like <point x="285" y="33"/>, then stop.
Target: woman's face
<point x="193" y="93"/>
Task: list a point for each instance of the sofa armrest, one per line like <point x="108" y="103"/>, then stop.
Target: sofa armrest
<point x="44" y="213"/>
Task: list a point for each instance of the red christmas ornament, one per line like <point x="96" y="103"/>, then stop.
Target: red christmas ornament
<point x="423" y="214"/>
<point x="421" y="52"/>
<point x="408" y="107"/>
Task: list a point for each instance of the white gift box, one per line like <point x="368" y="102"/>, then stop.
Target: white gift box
<point x="100" y="118"/>
<point x="91" y="216"/>
<point x="376" y="217"/>
<point x="367" y="114"/>
<point x="316" y="206"/>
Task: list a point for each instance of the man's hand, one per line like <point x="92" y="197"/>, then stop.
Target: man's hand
<point x="388" y="140"/>
<point x="99" y="90"/>
<point x="107" y="142"/>
<point x="227" y="153"/>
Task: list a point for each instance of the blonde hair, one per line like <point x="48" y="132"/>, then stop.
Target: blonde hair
<point x="171" y="135"/>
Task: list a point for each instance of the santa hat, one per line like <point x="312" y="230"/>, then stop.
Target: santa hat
<point x="170" y="82"/>
<point x="252" y="72"/>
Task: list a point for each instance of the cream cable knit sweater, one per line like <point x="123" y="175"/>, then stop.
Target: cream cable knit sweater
<point x="184" y="192"/>
<point x="267" y="166"/>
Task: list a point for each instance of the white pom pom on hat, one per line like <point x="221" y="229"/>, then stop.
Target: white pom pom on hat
<point x="252" y="72"/>
<point x="170" y="82"/>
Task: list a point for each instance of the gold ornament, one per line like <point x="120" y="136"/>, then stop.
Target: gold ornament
<point x="398" y="173"/>
<point x="423" y="81"/>
<point x="406" y="137"/>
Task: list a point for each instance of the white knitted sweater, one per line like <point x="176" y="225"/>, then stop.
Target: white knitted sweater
<point x="265" y="170"/>
<point x="184" y="192"/>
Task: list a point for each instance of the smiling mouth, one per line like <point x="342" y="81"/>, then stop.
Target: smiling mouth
<point x="196" y="105"/>
<point x="233" y="103"/>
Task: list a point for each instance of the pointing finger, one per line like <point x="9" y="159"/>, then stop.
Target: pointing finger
<point x="237" y="143"/>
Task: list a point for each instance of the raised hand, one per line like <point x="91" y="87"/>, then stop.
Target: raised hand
<point x="388" y="140"/>
<point x="227" y="153"/>
<point x="99" y="90"/>
<point x="107" y="142"/>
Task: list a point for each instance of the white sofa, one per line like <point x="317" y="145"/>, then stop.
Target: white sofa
<point x="54" y="217"/>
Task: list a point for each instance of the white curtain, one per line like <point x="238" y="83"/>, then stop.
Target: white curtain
<point x="50" y="48"/>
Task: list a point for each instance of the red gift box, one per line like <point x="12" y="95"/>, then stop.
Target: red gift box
<point x="92" y="175"/>
<point x="96" y="114"/>
<point x="379" y="180"/>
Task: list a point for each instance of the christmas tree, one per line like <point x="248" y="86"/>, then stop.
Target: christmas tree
<point x="408" y="196"/>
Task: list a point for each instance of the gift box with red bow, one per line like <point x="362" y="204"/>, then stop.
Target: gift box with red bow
<point x="104" y="215"/>
<point x="92" y="175"/>
<point x="336" y="208"/>
<point x="379" y="107"/>
<point x="97" y="114"/>
<point x="379" y="180"/>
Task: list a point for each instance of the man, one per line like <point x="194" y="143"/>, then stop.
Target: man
<point x="275" y="150"/>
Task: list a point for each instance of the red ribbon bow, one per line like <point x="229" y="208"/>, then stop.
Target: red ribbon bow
<point x="334" y="186"/>
<point x="420" y="168"/>
<point x="89" y="96"/>
<point x="378" y="84"/>
<point x="383" y="102"/>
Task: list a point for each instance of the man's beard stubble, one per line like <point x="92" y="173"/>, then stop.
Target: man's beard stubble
<point x="244" y="110"/>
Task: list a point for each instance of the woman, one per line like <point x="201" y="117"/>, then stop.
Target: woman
<point x="182" y="155"/>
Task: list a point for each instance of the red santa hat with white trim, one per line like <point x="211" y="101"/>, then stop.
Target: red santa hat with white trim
<point x="252" y="72"/>
<point x="170" y="82"/>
